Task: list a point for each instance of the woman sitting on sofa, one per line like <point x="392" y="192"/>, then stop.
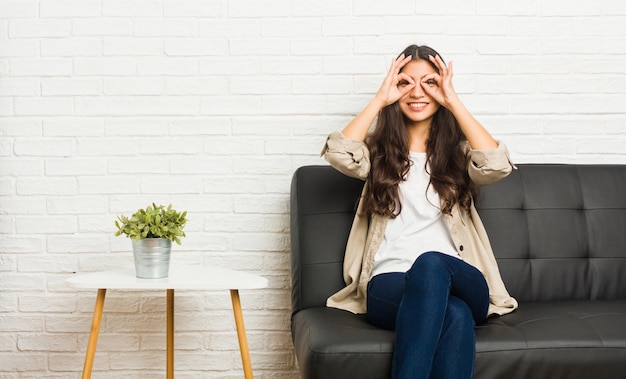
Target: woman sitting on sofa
<point x="418" y="260"/>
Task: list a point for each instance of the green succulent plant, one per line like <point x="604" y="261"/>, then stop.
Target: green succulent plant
<point x="153" y="222"/>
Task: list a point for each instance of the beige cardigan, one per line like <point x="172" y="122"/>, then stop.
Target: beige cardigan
<point x="351" y="157"/>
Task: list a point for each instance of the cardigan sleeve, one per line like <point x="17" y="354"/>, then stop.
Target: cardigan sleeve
<point x="351" y="157"/>
<point x="488" y="166"/>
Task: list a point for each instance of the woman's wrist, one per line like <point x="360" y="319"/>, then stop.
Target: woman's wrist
<point x="454" y="104"/>
<point x="359" y="126"/>
<point x="378" y="103"/>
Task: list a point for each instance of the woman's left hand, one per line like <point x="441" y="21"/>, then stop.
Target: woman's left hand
<point x="439" y="85"/>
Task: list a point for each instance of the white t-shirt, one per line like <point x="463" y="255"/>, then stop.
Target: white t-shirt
<point x="420" y="226"/>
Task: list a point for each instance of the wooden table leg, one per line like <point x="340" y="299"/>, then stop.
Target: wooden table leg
<point x="93" y="334"/>
<point x="170" y="334"/>
<point x="241" y="334"/>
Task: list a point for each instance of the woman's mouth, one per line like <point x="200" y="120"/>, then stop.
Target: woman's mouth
<point x="417" y="106"/>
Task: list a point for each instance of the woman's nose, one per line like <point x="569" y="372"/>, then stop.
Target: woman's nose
<point x="417" y="91"/>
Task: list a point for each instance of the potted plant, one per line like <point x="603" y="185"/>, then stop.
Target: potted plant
<point x="152" y="231"/>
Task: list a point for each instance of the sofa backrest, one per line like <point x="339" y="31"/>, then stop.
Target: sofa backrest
<point x="323" y="204"/>
<point x="558" y="231"/>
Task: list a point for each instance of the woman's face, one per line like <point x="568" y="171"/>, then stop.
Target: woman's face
<point x="417" y="106"/>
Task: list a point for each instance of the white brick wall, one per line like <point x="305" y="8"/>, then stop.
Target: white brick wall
<point x="108" y="105"/>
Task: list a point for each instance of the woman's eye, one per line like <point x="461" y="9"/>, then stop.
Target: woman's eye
<point x="431" y="82"/>
<point x="403" y="83"/>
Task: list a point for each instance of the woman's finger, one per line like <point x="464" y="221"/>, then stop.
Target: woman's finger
<point x="398" y="63"/>
<point x="403" y="76"/>
<point x="405" y="60"/>
<point x="444" y="70"/>
<point x="394" y="63"/>
<point x="431" y="79"/>
<point x="439" y="63"/>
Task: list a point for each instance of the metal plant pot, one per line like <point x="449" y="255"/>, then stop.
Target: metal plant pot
<point x="152" y="257"/>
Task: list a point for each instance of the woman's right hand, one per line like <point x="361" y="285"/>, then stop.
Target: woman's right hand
<point x="395" y="85"/>
<point x="390" y="91"/>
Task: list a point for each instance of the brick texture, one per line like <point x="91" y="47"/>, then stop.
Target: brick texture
<point x="109" y="105"/>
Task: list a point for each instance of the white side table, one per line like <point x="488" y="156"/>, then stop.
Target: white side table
<point x="180" y="277"/>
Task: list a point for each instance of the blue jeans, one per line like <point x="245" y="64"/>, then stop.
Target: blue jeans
<point x="433" y="308"/>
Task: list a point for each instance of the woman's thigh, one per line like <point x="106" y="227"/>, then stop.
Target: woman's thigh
<point x="385" y="291"/>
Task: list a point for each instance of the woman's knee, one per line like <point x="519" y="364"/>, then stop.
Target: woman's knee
<point x="429" y="263"/>
<point x="430" y="259"/>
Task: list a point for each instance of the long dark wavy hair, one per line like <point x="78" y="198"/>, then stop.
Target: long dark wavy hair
<point x="389" y="151"/>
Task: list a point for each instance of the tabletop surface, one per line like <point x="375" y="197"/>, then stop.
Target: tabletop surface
<point x="180" y="277"/>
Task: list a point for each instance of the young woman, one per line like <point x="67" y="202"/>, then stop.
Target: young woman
<point x="418" y="259"/>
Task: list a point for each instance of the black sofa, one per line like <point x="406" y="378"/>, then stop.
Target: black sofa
<point x="559" y="235"/>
